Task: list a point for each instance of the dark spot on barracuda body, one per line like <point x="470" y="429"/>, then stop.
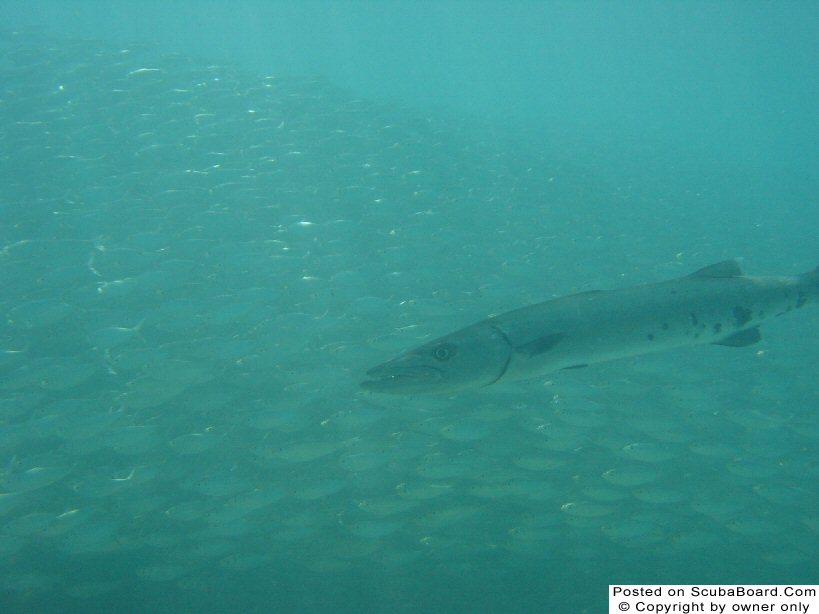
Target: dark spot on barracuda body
<point x="694" y="319"/>
<point x="665" y="325"/>
<point x="801" y="299"/>
<point x="717" y="328"/>
<point x="650" y="337"/>
<point x="742" y="315"/>
<point x="575" y="367"/>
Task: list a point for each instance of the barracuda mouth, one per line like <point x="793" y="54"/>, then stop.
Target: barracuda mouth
<point x="395" y="378"/>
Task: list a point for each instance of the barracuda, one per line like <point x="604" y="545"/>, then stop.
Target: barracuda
<point x="717" y="304"/>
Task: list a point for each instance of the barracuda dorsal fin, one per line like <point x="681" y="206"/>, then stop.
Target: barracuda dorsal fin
<point x="742" y="339"/>
<point x="726" y="268"/>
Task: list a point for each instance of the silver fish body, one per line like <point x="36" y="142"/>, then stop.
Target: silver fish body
<point x="717" y="304"/>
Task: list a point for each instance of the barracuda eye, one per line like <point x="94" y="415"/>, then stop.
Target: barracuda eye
<point x="443" y="352"/>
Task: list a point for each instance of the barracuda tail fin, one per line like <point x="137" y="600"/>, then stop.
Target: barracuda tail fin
<point x="810" y="284"/>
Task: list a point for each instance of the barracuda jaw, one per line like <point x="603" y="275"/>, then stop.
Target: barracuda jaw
<point x="398" y="379"/>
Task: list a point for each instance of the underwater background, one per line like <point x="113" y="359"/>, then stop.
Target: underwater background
<point x="214" y="217"/>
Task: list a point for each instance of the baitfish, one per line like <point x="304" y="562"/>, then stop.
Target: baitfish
<point x="716" y="304"/>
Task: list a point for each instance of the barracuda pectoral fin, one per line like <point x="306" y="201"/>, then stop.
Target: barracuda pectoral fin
<point x="742" y="339"/>
<point x="540" y="345"/>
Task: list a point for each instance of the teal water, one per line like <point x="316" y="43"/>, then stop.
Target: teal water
<point x="203" y="246"/>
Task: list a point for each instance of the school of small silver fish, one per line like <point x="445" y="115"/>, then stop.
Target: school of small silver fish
<point x="196" y="267"/>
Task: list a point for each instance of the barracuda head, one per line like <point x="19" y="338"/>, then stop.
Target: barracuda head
<point x="474" y="356"/>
